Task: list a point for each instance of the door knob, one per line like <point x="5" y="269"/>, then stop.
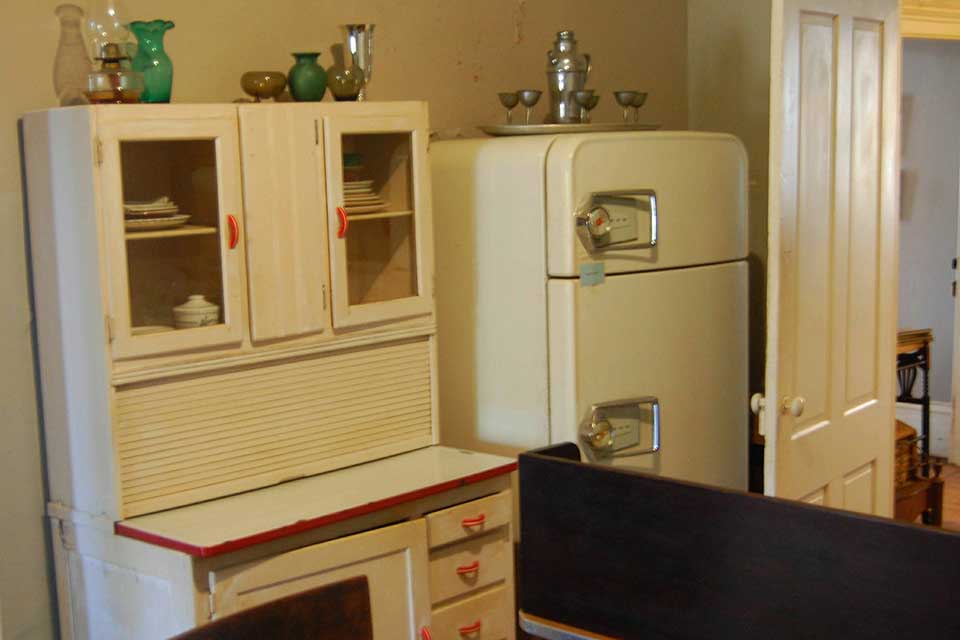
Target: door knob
<point x="794" y="406"/>
<point x="757" y="403"/>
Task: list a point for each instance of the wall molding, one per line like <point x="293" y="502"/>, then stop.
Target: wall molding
<point x="941" y="424"/>
<point x="931" y="19"/>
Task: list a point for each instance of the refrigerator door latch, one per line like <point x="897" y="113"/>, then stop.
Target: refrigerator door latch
<point x="611" y="220"/>
<point x="613" y="428"/>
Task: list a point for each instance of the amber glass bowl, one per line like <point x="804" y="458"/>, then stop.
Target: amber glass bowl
<point x="261" y="85"/>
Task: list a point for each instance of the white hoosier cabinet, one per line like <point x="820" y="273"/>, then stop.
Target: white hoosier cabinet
<point x="234" y="307"/>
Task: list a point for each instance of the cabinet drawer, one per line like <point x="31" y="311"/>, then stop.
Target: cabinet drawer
<point x="485" y="616"/>
<point x="470" y="565"/>
<point x="469" y="519"/>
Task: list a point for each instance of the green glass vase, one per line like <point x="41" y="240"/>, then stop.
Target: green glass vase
<point x="152" y="61"/>
<point x="307" y="79"/>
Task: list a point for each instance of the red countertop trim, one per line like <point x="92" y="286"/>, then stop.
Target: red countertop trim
<point x="125" y="529"/>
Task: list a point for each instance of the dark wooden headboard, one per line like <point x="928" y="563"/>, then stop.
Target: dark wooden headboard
<point x="630" y="555"/>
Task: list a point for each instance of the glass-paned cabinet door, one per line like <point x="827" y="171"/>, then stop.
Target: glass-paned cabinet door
<point x="171" y="204"/>
<point x="379" y="204"/>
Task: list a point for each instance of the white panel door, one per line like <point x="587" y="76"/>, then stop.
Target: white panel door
<point x="832" y="277"/>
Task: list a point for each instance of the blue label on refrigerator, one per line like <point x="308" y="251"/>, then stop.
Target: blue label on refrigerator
<point x="591" y="274"/>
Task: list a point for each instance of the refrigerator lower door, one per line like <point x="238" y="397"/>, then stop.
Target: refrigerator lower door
<point x="649" y="370"/>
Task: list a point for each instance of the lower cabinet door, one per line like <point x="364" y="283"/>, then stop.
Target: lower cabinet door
<point x="394" y="560"/>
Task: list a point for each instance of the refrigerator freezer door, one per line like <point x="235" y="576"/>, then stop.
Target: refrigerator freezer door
<point x="688" y="189"/>
<point x="670" y="345"/>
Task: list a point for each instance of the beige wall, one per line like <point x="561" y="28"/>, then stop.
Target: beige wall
<point x="455" y="53"/>
<point x="728" y="89"/>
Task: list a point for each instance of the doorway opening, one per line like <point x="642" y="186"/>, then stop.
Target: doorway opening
<point x="929" y="213"/>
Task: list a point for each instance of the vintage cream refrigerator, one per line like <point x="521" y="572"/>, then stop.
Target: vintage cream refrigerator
<point x="593" y="288"/>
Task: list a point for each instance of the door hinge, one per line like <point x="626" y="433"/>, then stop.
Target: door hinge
<point x="108" y="325"/>
<point x="68" y="537"/>
<point x="323" y="294"/>
<point x="757" y="405"/>
<point x="316" y="132"/>
<point x="98" y="152"/>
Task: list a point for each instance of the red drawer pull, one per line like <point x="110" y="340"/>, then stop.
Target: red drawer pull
<point x="473" y="567"/>
<point x="424" y="633"/>
<point x="344" y="225"/>
<point x="474" y="522"/>
<point x="234" y="231"/>
<point x="470" y="628"/>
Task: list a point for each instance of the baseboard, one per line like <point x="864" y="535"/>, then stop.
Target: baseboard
<point x="941" y="422"/>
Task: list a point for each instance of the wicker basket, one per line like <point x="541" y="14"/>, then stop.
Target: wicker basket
<point x="908" y="457"/>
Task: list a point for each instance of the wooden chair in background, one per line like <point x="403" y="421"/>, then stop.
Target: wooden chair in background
<point x="919" y="487"/>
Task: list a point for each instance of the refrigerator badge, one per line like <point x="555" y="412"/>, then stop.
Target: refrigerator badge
<point x="591" y="274"/>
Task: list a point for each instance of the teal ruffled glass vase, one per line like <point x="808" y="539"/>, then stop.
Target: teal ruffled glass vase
<point x="152" y="61"/>
<point x="307" y="79"/>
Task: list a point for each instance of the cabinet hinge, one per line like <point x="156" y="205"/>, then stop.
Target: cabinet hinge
<point x="108" y="324"/>
<point x="211" y="588"/>
<point x="316" y="133"/>
<point x="323" y="295"/>
<point x="98" y="152"/>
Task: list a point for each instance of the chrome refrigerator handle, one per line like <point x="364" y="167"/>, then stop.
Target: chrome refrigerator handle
<point x="598" y="433"/>
<point x="593" y="221"/>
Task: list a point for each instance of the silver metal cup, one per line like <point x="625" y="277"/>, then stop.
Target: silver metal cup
<point x="360" y="46"/>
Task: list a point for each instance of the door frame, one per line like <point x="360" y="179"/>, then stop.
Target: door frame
<point x="954" y="449"/>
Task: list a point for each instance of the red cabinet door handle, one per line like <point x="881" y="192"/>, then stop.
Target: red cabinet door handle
<point x="234" y="231"/>
<point x="473" y="567"/>
<point x="344" y="223"/>
<point x="470" y="628"/>
<point x="473" y="522"/>
<point x="425" y="633"/>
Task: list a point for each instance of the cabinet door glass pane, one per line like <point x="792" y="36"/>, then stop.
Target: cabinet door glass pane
<point x="379" y="202"/>
<point x="172" y="230"/>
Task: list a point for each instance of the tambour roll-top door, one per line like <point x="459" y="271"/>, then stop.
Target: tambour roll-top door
<point x="202" y="437"/>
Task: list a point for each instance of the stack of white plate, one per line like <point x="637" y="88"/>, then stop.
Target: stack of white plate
<point x="162" y="213"/>
<point x="359" y="197"/>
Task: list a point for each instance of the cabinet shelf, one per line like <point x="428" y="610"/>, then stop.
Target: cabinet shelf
<point x="360" y="217"/>
<point x="185" y="230"/>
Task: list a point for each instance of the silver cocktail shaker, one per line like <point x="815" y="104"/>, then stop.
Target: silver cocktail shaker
<point x="567" y="72"/>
